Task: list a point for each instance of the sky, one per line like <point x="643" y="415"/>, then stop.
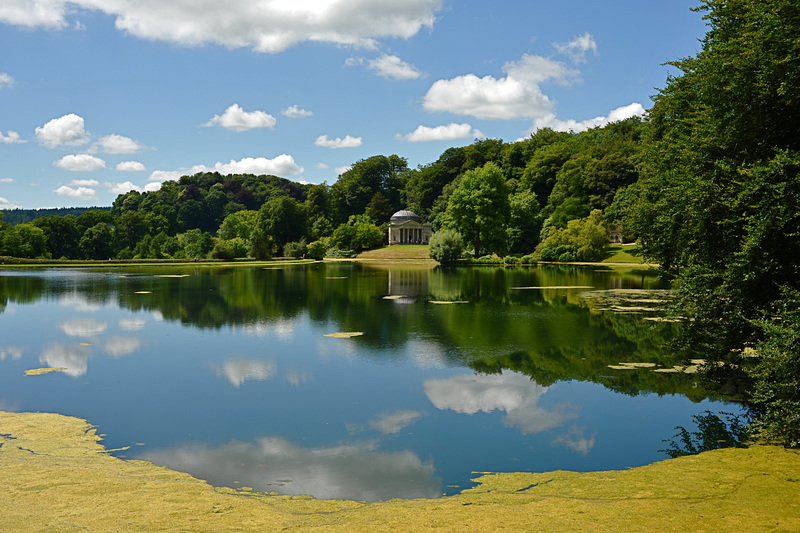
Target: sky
<point x="100" y="97"/>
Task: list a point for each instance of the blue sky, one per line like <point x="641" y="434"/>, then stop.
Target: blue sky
<point x="98" y="97"/>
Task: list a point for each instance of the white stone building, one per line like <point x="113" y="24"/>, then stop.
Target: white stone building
<point x="406" y="228"/>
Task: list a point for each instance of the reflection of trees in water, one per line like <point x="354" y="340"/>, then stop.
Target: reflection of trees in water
<point x="542" y="333"/>
<point x="714" y="431"/>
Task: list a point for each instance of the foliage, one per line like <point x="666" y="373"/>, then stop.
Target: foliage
<point x="23" y="240"/>
<point x="295" y="248"/>
<point x="525" y="222"/>
<point x="585" y="239"/>
<point x="479" y="209"/>
<point x="317" y="249"/>
<point x="446" y="246"/>
<point x="719" y="201"/>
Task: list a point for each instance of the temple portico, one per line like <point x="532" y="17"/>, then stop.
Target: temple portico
<point x="406" y="228"/>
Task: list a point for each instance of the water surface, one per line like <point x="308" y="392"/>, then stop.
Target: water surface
<point x="227" y="373"/>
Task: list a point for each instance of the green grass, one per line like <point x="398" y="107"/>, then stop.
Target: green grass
<point x="624" y="253"/>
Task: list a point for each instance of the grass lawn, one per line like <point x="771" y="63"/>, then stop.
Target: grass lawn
<point x="414" y="252"/>
<point x="624" y="253"/>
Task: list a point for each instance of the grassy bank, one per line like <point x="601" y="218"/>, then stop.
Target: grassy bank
<point x="56" y="476"/>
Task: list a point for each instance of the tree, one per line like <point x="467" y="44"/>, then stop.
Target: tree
<point x="62" y="235"/>
<point x="719" y="198"/>
<point x="479" y="208"/>
<point x="97" y="242"/>
<point x="446" y="246"/>
<point x="525" y="222"/>
<point x="283" y="219"/>
<point x="24" y="240"/>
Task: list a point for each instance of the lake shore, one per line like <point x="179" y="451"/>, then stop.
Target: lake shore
<point x="57" y="476"/>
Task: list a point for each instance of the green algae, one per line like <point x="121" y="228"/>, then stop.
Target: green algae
<point x="56" y="476"/>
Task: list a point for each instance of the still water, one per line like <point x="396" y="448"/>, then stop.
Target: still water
<point x="229" y="373"/>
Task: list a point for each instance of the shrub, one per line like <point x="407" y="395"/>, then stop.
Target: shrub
<point x="446" y="246"/>
<point x="295" y="249"/>
<point x="317" y="250"/>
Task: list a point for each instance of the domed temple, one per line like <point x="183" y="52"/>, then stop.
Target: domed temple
<point x="406" y="228"/>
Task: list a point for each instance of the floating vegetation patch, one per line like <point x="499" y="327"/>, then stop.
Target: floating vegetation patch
<point x="345" y="334"/>
<point x="143" y="292"/>
<point x="446" y="302"/>
<point x="627" y="301"/>
<point x="86" y="344"/>
<point x="553" y="287"/>
<point x="172" y="275"/>
<point x="394" y="297"/>
<point x="632" y="366"/>
<point x="41" y="371"/>
<point x="337" y="277"/>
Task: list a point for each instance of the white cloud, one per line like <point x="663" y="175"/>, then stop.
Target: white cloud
<point x="122" y="188"/>
<point x="271" y="26"/>
<point x="83" y="327"/>
<point x="341" y="170"/>
<point x="31" y="14"/>
<point x="441" y="133"/>
<point x="13" y="352"/>
<point x="577" y="48"/>
<point x="119" y="144"/>
<point x="74" y="358"/>
<point x="81" y="193"/>
<point x="575" y="440"/>
<point x="84" y="183"/>
<point x="132" y="324"/>
<point x="5" y="79"/>
<point x="395" y="68"/>
<point x="130" y="166"/>
<point x="296" y="111"/>
<point x="6" y="180"/>
<point x="338" y="142"/>
<point x="80" y="163"/>
<point x="119" y="346"/>
<point x="7" y="204"/>
<point x="322" y="166"/>
<point x="237" y="119"/>
<point x="11" y="138"/>
<point x="153" y="186"/>
<point x="63" y="131"/>
<point x="282" y="165"/>
<point x="615" y="115"/>
<point x="515" y="96"/>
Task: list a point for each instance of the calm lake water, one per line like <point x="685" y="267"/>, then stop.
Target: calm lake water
<point x="227" y="373"/>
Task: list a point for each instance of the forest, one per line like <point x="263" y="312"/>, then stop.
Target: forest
<point x="707" y="183"/>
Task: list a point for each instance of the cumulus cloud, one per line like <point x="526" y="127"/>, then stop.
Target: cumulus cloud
<point x="615" y="115"/>
<point x="322" y="166"/>
<point x="338" y="142"/>
<point x="150" y="187"/>
<point x="394" y="68"/>
<point x="81" y="193"/>
<point x="84" y="183"/>
<point x="68" y="130"/>
<point x="517" y="95"/>
<point x="441" y="133"/>
<point x="341" y="170"/>
<point x="74" y="358"/>
<point x="12" y="137"/>
<point x="83" y="327"/>
<point x="577" y="48"/>
<point x="7" y="204"/>
<point x="5" y="79"/>
<point x="264" y="26"/>
<point x="295" y="111"/>
<point x="237" y="119"/>
<point x="118" y="144"/>
<point x="122" y="187"/>
<point x="44" y="13"/>
<point x="282" y="165"/>
<point x="80" y="163"/>
<point x="130" y="166"/>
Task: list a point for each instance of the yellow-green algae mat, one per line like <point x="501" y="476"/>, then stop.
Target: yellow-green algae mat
<point x="56" y="476"/>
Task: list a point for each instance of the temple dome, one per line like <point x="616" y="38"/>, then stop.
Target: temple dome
<point x="403" y="215"/>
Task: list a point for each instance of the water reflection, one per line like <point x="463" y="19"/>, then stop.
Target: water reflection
<point x="83" y="327"/>
<point x="274" y="464"/>
<point x="74" y="359"/>
<point x="514" y="394"/>
<point x="237" y="371"/>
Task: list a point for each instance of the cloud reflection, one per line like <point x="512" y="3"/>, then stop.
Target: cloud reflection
<point x="513" y="393"/>
<point x="394" y="422"/>
<point x="237" y="371"/>
<point x="132" y="324"/>
<point x="575" y="440"/>
<point x="74" y="358"/>
<point x="83" y="327"/>
<point x="79" y="302"/>
<point x="119" y="346"/>
<point x="283" y="329"/>
<point x="12" y="352"/>
<point x="355" y="471"/>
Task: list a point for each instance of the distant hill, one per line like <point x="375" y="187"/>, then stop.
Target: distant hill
<point x="20" y="216"/>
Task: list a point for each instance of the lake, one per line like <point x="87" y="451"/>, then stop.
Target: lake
<point x="236" y="374"/>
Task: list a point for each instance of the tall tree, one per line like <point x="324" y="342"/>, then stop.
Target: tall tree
<point x="479" y="209"/>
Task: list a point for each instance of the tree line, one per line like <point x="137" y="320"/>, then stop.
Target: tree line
<point x="502" y="198"/>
